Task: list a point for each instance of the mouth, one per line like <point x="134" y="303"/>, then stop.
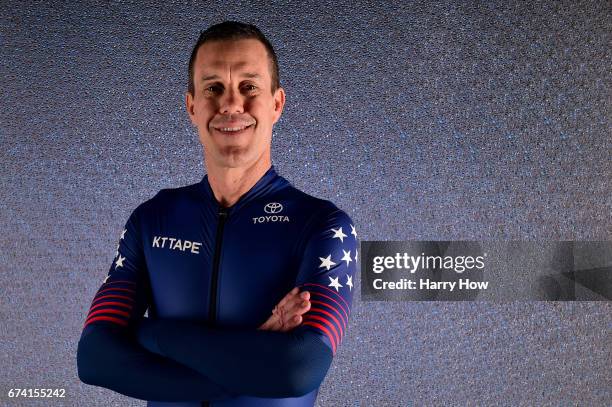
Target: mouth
<point x="232" y="130"/>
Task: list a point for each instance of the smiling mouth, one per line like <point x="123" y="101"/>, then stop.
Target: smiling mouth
<point x="232" y="130"/>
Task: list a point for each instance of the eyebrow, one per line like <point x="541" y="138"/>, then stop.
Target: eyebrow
<point x="250" y="75"/>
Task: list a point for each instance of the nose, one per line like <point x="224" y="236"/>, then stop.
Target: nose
<point x="231" y="102"/>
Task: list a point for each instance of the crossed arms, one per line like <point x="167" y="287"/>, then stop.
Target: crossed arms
<point x="179" y="360"/>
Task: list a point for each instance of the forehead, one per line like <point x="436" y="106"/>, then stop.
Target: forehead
<point x="245" y="55"/>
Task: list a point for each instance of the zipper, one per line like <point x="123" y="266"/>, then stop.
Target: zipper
<point x="212" y="307"/>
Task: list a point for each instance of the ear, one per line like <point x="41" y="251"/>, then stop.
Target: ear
<point x="279" y="103"/>
<point x="190" y="106"/>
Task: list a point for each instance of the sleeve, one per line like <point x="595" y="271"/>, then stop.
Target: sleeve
<point x="108" y="354"/>
<point x="274" y="364"/>
<point x="327" y="271"/>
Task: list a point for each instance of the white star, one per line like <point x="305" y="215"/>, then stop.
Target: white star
<point x="334" y="283"/>
<point x="117" y="251"/>
<point x="119" y="261"/>
<point x="339" y="234"/>
<point x="355" y="254"/>
<point x="349" y="282"/>
<point x="123" y="233"/>
<point x="326" y="262"/>
<point x="107" y="277"/>
<point x="353" y="231"/>
<point x="347" y="257"/>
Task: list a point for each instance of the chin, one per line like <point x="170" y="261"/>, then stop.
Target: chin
<point x="234" y="156"/>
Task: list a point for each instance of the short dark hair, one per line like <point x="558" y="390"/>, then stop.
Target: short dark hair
<point x="234" y="30"/>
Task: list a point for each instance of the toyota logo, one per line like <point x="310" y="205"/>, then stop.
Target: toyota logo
<point x="273" y="207"/>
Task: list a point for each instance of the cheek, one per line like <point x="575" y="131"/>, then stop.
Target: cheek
<point x="204" y="111"/>
<point x="263" y="112"/>
<point x="251" y="107"/>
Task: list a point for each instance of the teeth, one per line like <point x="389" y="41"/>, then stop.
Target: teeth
<point x="232" y="128"/>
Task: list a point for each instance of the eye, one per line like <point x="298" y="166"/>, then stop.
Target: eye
<point x="213" y="89"/>
<point x="249" y="87"/>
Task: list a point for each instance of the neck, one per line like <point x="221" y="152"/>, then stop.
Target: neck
<point x="229" y="184"/>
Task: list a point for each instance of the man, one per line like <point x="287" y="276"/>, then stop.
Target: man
<point x="211" y="260"/>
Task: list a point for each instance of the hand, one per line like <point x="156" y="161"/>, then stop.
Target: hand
<point x="287" y="314"/>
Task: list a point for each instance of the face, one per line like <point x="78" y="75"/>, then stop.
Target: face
<point x="233" y="106"/>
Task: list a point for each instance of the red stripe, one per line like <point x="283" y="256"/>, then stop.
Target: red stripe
<point x="116" y="289"/>
<point x="340" y="305"/>
<point x="329" y="315"/>
<point x="102" y="304"/>
<point x="111" y="296"/>
<point x="108" y="311"/>
<point x="318" y="318"/>
<point x="105" y="318"/>
<point x="321" y="327"/>
<point x="330" y="290"/>
<point x="332" y="308"/>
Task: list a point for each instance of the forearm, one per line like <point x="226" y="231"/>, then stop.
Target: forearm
<point x="107" y="357"/>
<point x="249" y="362"/>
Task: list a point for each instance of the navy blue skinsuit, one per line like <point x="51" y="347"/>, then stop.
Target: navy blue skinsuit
<point x="209" y="276"/>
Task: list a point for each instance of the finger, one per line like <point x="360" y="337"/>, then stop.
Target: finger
<point x="299" y="299"/>
<point x="294" y="305"/>
<point x="301" y="305"/>
<point x="304" y="307"/>
<point x="295" y="314"/>
<point x="290" y="301"/>
<point x="283" y="301"/>
<point x="292" y="323"/>
<point x="288" y="296"/>
<point x="292" y="308"/>
<point x="296" y="320"/>
<point x="266" y="325"/>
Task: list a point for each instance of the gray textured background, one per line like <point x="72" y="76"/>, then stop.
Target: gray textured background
<point x="422" y="121"/>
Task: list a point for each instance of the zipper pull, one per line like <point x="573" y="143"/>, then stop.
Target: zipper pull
<point x="223" y="212"/>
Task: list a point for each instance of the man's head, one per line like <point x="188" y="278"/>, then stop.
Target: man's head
<point x="234" y="98"/>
